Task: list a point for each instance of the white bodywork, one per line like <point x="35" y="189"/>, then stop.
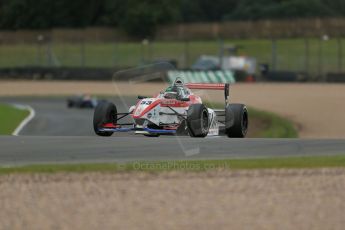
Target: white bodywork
<point x="162" y="115"/>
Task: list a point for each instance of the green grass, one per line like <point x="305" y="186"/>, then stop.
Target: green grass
<point x="188" y="166"/>
<point x="290" y="53"/>
<point x="10" y="118"/>
<point x="270" y="124"/>
<point x="274" y="126"/>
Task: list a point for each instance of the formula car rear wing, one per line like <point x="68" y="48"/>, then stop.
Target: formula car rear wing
<point x="212" y="86"/>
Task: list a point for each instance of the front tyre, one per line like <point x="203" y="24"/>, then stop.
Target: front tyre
<point x="197" y="120"/>
<point x="105" y="112"/>
<point x="152" y="126"/>
<point x="236" y="120"/>
<point x="70" y="104"/>
<point x="151" y="135"/>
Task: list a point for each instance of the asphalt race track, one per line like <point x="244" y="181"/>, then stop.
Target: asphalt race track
<point x="61" y="135"/>
<point x="53" y="118"/>
<point x="33" y="150"/>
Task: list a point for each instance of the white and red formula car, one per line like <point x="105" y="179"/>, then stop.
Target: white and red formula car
<point x="175" y="111"/>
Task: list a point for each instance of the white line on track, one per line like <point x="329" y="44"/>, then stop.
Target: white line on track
<point x="26" y="120"/>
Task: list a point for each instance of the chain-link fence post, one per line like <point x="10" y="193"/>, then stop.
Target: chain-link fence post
<point x="49" y="54"/>
<point x="274" y="54"/>
<point x="320" y="59"/>
<point x="221" y="52"/>
<point x="114" y="54"/>
<point x="306" y="55"/>
<point x="39" y="56"/>
<point x="186" y="53"/>
<point x="150" y="51"/>
<point x="340" y="54"/>
<point x="82" y="53"/>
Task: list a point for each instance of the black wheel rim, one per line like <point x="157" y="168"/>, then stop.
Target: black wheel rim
<point x="204" y="121"/>
<point x="244" y="122"/>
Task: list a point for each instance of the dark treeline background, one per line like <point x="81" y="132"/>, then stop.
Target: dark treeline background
<point x="141" y="17"/>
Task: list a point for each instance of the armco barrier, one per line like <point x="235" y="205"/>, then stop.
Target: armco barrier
<point x="286" y="76"/>
<point x="335" y="77"/>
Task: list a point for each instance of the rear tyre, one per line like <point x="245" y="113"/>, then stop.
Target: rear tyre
<point x="104" y="113"/>
<point x="236" y="120"/>
<point x="197" y="120"/>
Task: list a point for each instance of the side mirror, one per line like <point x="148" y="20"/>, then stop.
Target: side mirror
<point x="185" y="99"/>
<point x="141" y="97"/>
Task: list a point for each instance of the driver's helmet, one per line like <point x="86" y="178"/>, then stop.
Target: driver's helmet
<point x="171" y="92"/>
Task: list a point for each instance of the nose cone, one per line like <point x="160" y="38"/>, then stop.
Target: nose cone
<point x="144" y="106"/>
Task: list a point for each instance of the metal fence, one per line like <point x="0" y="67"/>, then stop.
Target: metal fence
<point x="288" y="28"/>
<point x="315" y="56"/>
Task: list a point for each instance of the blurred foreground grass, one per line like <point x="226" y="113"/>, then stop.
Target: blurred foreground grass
<point x="185" y="166"/>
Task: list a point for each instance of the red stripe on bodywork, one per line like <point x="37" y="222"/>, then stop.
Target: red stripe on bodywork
<point x="205" y="86"/>
<point x="174" y="103"/>
<point x="110" y="125"/>
<point x="148" y="108"/>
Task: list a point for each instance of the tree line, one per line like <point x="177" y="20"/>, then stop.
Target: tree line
<point x="140" y="18"/>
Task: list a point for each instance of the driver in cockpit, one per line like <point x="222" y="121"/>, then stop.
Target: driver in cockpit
<point x="172" y="92"/>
